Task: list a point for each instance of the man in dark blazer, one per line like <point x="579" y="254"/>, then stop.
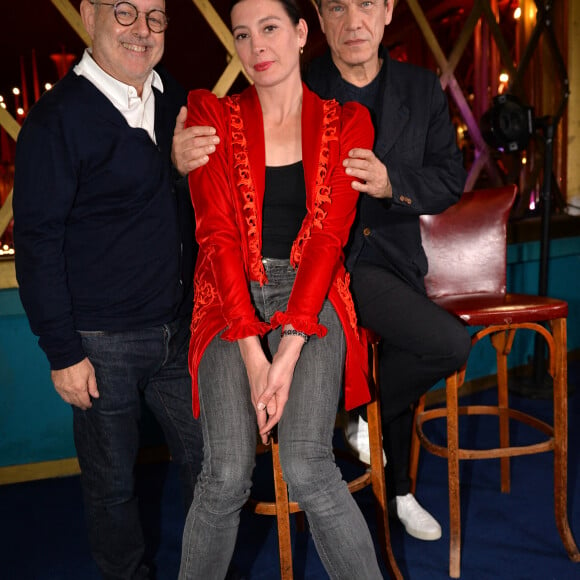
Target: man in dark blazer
<point x="104" y="259"/>
<point x="415" y="168"/>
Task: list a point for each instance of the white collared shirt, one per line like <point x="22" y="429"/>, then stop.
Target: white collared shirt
<point x="138" y="111"/>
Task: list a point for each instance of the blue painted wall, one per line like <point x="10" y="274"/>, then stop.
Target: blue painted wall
<point x="35" y="425"/>
<point x="523" y="277"/>
<point x="563" y="277"/>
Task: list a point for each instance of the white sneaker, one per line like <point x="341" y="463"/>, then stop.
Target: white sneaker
<point x="418" y="522"/>
<point x="356" y="434"/>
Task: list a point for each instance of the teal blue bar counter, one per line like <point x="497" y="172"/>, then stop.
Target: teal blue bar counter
<point x="36" y="426"/>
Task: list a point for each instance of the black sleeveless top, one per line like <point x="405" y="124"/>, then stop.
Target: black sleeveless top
<point x="284" y="209"/>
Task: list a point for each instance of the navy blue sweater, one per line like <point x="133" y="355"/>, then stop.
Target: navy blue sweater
<point x="102" y="225"/>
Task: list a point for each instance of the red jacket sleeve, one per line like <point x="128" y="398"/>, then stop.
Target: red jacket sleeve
<point x="217" y="231"/>
<point x="322" y="252"/>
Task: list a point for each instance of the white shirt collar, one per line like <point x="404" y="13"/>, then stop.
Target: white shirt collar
<point x="139" y="112"/>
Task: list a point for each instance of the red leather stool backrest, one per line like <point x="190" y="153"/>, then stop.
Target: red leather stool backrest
<point x="466" y="244"/>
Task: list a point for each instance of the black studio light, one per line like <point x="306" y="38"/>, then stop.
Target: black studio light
<point x="508" y="125"/>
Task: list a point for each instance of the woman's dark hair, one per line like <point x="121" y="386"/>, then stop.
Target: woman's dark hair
<point x="290" y="7"/>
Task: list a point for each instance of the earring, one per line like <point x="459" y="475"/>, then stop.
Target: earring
<point x="301" y="50"/>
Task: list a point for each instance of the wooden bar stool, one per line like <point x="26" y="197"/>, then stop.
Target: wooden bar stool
<point x="466" y="248"/>
<point x="374" y="476"/>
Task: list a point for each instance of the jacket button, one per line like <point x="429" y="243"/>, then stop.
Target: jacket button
<point x="367" y="231"/>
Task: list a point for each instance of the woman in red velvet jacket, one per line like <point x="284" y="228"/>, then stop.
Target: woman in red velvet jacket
<point x="273" y="320"/>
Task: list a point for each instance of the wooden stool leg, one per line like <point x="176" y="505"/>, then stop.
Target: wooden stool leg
<point x="378" y="471"/>
<point x="561" y="438"/>
<point x="453" y="476"/>
<point x="415" y="446"/>
<point x="502" y="342"/>
<point x="282" y="515"/>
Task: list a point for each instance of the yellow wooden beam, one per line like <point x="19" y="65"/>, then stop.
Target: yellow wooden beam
<point x="41" y="470"/>
<point x="7" y="280"/>
<point x="223" y="33"/>
<point x="482" y="160"/>
<point x="230" y="74"/>
<point x="462" y="41"/>
<point x="70" y="466"/>
<point x="495" y="30"/>
<point x="12" y="127"/>
<point x="428" y="34"/>
<point x="474" y="130"/>
<point x="72" y="16"/>
<point x="449" y="81"/>
<point x="217" y="25"/>
<point x="9" y="123"/>
<point x="6" y="213"/>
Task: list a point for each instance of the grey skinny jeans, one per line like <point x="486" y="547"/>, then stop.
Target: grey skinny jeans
<point x="305" y="433"/>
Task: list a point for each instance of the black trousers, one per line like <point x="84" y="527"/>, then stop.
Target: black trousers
<point x="422" y="344"/>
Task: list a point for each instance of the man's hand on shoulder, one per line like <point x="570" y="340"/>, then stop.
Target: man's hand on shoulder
<point x="77" y="384"/>
<point x="366" y="166"/>
<point x="192" y="146"/>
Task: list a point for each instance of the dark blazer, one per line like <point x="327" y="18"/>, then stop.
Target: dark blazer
<point x="416" y="141"/>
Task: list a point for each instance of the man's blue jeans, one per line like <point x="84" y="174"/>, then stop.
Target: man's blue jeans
<point x="305" y="434"/>
<point x="149" y="364"/>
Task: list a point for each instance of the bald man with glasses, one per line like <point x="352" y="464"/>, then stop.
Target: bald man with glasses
<point x="105" y="253"/>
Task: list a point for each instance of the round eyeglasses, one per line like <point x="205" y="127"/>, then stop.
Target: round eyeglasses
<point x="126" y="14"/>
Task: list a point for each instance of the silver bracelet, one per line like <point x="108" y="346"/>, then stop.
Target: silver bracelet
<point x="294" y="332"/>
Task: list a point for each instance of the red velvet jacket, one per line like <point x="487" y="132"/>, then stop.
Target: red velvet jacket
<point x="227" y="196"/>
